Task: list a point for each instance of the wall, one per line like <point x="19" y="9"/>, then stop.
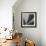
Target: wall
<point x="29" y="6"/>
<point x="6" y="16"/>
<point x="43" y="22"/>
<point x="35" y="34"/>
<point x="6" y="13"/>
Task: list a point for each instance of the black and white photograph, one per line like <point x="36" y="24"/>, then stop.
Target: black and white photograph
<point x="28" y="19"/>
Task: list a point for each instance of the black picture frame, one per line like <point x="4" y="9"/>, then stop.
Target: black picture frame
<point x="28" y="19"/>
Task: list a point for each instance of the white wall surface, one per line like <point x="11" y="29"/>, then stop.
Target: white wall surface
<point x="37" y="34"/>
<point x="43" y="22"/>
<point x="6" y="13"/>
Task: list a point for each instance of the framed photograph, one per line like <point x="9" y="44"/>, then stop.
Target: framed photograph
<point x="28" y="19"/>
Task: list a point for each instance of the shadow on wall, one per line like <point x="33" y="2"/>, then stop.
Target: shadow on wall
<point x="17" y="4"/>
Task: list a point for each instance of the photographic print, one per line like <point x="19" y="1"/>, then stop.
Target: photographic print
<point x="28" y="19"/>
